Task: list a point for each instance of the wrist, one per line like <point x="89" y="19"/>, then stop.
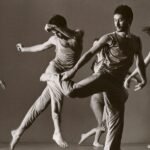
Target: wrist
<point x="22" y="49"/>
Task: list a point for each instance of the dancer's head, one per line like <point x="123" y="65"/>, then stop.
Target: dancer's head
<point x="57" y="21"/>
<point x="58" y="25"/>
<point x="123" y="17"/>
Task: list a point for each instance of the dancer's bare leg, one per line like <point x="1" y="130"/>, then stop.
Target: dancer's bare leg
<point x="99" y="132"/>
<point x="56" y="108"/>
<point x="86" y="135"/>
<point x="97" y="105"/>
<point x="39" y="106"/>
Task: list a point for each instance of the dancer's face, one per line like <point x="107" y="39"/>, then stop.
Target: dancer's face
<point x="52" y="28"/>
<point x="121" y="24"/>
<point x="57" y="33"/>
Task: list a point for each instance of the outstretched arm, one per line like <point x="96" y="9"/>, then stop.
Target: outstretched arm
<point x="36" y="48"/>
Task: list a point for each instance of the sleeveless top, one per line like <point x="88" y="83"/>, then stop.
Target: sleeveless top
<point x="67" y="53"/>
<point x="116" y="58"/>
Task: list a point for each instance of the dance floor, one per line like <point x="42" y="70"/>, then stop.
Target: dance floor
<point x="37" y="146"/>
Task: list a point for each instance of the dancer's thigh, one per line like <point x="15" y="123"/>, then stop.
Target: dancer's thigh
<point x="43" y="101"/>
<point x="93" y="84"/>
<point x="56" y="97"/>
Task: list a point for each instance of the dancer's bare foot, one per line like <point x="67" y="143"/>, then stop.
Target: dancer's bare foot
<point x="59" y="140"/>
<point x="15" y="139"/>
<point x="83" y="138"/>
<point x="97" y="144"/>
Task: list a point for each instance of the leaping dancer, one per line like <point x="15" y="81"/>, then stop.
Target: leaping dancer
<point x="68" y="48"/>
<point x="97" y="102"/>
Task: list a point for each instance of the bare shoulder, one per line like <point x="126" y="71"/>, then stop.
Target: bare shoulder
<point x="52" y="40"/>
<point x="106" y="38"/>
<point x="77" y="39"/>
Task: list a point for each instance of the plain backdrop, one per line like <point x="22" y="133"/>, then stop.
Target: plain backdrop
<point x="23" y="21"/>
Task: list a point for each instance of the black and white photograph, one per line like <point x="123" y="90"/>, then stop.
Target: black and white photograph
<point x="74" y="74"/>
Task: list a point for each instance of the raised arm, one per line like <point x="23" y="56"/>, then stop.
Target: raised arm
<point x="36" y="48"/>
<point x="87" y="56"/>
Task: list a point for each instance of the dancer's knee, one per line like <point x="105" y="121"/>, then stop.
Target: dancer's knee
<point x="41" y="104"/>
<point x="71" y="94"/>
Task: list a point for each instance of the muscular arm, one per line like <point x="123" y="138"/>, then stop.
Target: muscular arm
<point x="97" y="46"/>
<point x="91" y="52"/>
<point x="36" y="48"/>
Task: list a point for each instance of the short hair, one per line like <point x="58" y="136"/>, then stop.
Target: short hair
<point x="125" y="11"/>
<point x="58" y="20"/>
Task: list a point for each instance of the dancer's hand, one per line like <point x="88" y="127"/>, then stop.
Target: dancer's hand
<point x="135" y="79"/>
<point x="140" y="85"/>
<point x="50" y="27"/>
<point x="19" y="47"/>
<point x="68" y="74"/>
<point x="2" y="84"/>
<point x="128" y="81"/>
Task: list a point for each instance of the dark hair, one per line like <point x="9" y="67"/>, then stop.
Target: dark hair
<point x="58" y="20"/>
<point x="125" y="11"/>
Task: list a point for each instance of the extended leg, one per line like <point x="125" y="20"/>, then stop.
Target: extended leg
<point x="56" y="108"/>
<point x="35" y="110"/>
<point x="83" y="88"/>
<point x="97" y="105"/>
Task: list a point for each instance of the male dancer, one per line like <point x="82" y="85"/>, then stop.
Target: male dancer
<point x="123" y="47"/>
<point x="68" y="48"/>
<point x="97" y="105"/>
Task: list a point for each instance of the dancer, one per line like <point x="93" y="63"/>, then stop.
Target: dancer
<point x="68" y="48"/>
<point x="123" y="47"/>
<point x="97" y="105"/>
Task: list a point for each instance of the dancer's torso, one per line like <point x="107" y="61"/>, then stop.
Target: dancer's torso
<point x="67" y="54"/>
<point x="117" y="57"/>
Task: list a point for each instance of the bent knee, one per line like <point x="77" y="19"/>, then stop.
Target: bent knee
<point x="71" y="94"/>
<point x="96" y="101"/>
